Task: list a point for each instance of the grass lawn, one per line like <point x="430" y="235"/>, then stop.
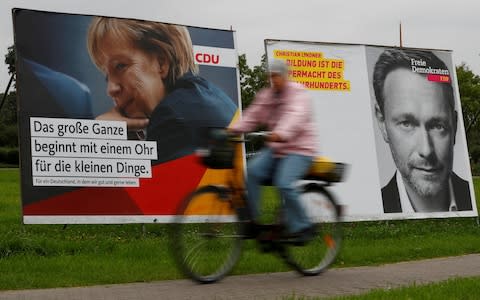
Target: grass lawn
<point x="41" y="256"/>
<point x="457" y="288"/>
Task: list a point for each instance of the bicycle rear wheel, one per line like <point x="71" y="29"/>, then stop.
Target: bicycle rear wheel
<point x="316" y="255"/>
<point x="205" y="236"/>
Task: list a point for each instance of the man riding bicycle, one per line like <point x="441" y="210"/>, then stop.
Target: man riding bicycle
<point x="285" y="108"/>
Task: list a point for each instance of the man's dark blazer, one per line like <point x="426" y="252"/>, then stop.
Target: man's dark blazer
<point x="391" y="198"/>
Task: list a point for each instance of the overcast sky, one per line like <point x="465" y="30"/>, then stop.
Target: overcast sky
<point x="453" y="25"/>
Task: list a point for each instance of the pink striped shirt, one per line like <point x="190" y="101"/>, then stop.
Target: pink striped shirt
<point x="289" y="115"/>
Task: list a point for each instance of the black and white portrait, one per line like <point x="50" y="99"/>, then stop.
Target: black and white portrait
<point x="416" y="115"/>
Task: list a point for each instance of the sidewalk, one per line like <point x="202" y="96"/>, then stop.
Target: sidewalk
<point x="274" y="286"/>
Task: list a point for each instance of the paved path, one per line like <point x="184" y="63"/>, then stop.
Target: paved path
<point x="273" y="286"/>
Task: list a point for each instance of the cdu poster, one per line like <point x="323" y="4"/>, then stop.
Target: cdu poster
<point x="111" y="112"/>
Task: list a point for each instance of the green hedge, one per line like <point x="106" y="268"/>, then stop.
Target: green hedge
<point x="9" y="156"/>
<point x="9" y="136"/>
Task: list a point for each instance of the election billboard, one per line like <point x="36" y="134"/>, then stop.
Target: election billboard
<point x="111" y="112"/>
<point x="394" y="116"/>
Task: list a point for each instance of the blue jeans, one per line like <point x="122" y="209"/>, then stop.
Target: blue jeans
<point x="284" y="172"/>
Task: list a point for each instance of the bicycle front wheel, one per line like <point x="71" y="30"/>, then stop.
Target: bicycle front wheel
<point x="317" y="254"/>
<point x="205" y="236"/>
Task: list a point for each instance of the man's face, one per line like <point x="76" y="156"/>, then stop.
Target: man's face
<point x="420" y="127"/>
<point x="134" y="78"/>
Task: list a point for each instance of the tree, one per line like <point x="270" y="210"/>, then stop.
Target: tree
<point x="8" y="106"/>
<point x="469" y="87"/>
<point x="251" y="79"/>
<point x="10" y="60"/>
<point x="9" y="100"/>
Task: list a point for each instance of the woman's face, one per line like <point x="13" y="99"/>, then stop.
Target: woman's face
<point x="134" y="77"/>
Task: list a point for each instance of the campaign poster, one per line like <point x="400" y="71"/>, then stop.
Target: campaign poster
<point x="393" y="115"/>
<point x="112" y="111"/>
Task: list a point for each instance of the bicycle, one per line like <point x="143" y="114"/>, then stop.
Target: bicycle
<point x="210" y="224"/>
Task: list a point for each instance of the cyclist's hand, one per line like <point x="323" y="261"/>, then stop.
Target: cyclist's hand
<point x="232" y="132"/>
<point x="273" y="137"/>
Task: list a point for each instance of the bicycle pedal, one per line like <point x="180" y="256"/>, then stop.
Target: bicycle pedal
<point x="266" y="247"/>
<point x="264" y="238"/>
<point x="301" y="238"/>
<point x="269" y="246"/>
<point x="296" y="243"/>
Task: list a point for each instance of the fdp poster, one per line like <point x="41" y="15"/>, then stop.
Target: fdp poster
<point x="111" y="112"/>
<point x="394" y="116"/>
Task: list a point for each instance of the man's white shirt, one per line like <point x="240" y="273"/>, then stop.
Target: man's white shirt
<point x="405" y="201"/>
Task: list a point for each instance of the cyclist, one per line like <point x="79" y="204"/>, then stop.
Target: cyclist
<point x="285" y="109"/>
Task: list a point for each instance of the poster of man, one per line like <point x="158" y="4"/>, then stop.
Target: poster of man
<point x="394" y="116"/>
<point x="418" y="115"/>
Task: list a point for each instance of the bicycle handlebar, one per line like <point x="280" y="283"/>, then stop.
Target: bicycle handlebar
<point x="221" y="134"/>
<point x="262" y="134"/>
